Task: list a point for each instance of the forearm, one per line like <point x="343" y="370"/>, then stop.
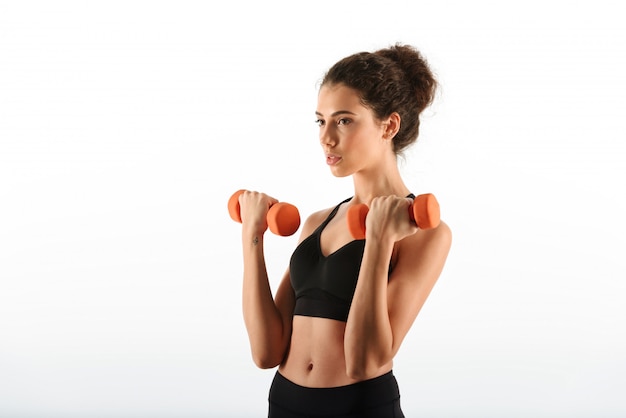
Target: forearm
<point x="261" y="316"/>
<point x="368" y="338"/>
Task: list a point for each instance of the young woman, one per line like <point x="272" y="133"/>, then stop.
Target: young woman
<point x="344" y="306"/>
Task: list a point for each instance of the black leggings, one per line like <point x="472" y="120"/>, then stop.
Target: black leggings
<point x="375" y="398"/>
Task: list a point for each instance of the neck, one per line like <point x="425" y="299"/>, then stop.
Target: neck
<point x="383" y="180"/>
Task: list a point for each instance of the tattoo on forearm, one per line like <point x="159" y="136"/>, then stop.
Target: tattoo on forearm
<point x="255" y="241"/>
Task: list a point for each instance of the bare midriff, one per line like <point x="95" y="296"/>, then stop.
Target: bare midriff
<point x="316" y="355"/>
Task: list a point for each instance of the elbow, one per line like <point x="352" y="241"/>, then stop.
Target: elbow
<point x="268" y="351"/>
<point x="364" y="361"/>
<point x="361" y="372"/>
<point x="356" y="373"/>
<point x="265" y="362"/>
<point x="266" y="359"/>
<point x="364" y="368"/>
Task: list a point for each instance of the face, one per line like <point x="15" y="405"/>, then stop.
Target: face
<point x="350" y="135"/>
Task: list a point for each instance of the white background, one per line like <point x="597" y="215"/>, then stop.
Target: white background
<point x="126" y="125"/>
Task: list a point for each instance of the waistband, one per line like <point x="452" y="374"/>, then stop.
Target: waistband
<point x="347" y="399"/>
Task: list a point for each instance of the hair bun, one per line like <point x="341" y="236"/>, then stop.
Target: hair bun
<point x="416" y="69"/>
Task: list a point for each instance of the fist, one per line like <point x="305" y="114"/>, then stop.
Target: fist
<point x="388" y="219"/>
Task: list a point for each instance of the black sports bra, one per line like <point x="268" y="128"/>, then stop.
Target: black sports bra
<point x="324" y="285"/>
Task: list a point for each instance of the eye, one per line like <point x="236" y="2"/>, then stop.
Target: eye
<point x="344" y="121"/>
<point x="319" y="122"/>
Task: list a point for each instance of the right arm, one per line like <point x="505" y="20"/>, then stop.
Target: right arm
<point x="267" y="321"/>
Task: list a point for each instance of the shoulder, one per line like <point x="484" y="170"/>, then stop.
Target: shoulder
<point x="313" y="221"/>
<point x="432" y="240"/>
<point x="425" y="249"/>
<point x="439" y="237"/>
<point x="317" y="218"/>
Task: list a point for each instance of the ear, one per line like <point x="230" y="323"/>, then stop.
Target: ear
<point x="391" y="126"/>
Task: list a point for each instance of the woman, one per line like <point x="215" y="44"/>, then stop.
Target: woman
<point x="344" y="306"/>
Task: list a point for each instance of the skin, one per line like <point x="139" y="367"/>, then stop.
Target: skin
<point x="320" y="352"/>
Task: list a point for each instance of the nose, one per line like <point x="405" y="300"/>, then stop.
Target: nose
<point x="326" y="137"/>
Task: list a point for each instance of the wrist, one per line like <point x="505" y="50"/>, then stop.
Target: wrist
<point x="252" y="235"/>
<point x="380" y="243"/>
<point x="379" y="236"/>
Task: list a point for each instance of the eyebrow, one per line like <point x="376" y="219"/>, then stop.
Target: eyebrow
<point x="339" y="112"/>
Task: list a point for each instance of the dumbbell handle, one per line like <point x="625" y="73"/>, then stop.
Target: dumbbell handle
<point x="424" y="211"/>
<point x="282" y="218"/>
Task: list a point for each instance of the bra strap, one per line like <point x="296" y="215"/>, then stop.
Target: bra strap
<point x="332" y="214"/>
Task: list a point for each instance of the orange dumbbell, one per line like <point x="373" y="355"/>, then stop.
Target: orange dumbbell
<point x="282" y="218"/>
<point x="424" y="211"/>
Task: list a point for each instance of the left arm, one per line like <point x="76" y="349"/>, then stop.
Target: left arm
<point x="384" y="307"/>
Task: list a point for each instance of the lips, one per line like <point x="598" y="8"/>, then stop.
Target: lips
<point x="332" y="159"/>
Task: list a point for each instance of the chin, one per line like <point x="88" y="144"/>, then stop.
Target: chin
<point x="340" y="173"/>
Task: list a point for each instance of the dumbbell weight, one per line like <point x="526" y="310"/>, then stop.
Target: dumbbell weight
<point x="424" y="211"/>
<point x="282" y="218"/>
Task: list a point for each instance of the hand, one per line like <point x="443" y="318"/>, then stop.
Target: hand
<point x="388" y="219"/>
<point x="253" y="209"/>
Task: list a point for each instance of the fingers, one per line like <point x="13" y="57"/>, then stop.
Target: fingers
<point x="256" y="198"/>
<point x="391" y="204"/>
<point x="392" y="208"/>
<point x="388" y="217"/>
<point x="253" y="208"/>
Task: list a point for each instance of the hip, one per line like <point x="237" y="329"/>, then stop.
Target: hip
<point x="378" y="397"/>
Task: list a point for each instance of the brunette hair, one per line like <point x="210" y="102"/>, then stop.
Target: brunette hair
<point x="394" y="79"/>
